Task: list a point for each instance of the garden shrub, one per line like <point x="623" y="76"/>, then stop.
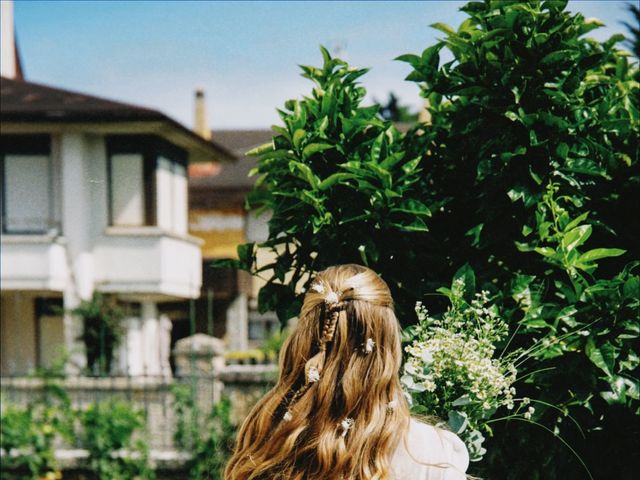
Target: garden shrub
<point x="210" y="441"/>
<point x="29" y="433"/>
<point x="27" y="439"/>
<point x="108" y="433"/>
<point x="528" y="172"/>
<point x="102" y="331"/>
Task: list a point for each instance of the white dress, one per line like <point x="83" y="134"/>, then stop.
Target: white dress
<point x="426" y="444"/>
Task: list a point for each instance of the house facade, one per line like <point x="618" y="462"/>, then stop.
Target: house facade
<point x="94" y="198"/>
<point x="217" y="216"/>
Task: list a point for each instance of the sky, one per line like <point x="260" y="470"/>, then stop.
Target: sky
<point x="244" y="54"/>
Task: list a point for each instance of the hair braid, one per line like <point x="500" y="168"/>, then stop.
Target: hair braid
<point x="315" y="364"/>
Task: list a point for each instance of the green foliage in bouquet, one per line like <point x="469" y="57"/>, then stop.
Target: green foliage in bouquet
<point x="452" y="370"/>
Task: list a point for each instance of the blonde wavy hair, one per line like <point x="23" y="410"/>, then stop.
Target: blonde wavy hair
<point x="337" y="410"/>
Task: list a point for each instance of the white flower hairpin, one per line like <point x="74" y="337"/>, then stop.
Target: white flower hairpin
<point x="346" y="425"/>
<point x="317" y="287"/>
<point x="287" y="416"/>
<point x="331" y="298"/>
<point x="313" y="375"/>
<point x="392" y="405"/>
<point x="368" y="346"/>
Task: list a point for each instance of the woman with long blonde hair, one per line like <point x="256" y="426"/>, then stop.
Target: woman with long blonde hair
<point x="337" y="410"/>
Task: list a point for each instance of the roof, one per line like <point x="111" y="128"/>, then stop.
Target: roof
<point x="28" y="102"/>
<point x="235" y="175"/>
<point x="241" y="141"/>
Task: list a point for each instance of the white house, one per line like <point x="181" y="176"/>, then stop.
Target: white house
<point x="94" y="197"/>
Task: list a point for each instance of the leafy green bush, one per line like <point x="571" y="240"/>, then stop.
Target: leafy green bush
<point x="339" y="185"/>
<point x="28" y="434"/>
<point x="272" y="345"/>
<point x="528" y="172"/>
<point x="102" y="331"/>
<point x="211" y="441"/>
<point x="214" y="447"/>
<point x="28" y="442"/>
<point x="108" y="433"/>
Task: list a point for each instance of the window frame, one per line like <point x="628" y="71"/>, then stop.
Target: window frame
<point x="151" y="147"/>
<point x="27" y="144"/>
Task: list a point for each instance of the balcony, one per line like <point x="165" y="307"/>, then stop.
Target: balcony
<point x="33" y="262"/>
<point x="148" y="260"/>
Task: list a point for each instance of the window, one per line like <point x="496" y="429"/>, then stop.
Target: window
<point x="147" y="182"/>
<point x="127" y="193"/>
<point x="171" y="178"/>
<point x="27" y="186"/>
<point x="50" y="341"/>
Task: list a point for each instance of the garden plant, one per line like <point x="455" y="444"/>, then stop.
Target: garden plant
<point x="102" y="331"/>
<point x="523" y="184"/>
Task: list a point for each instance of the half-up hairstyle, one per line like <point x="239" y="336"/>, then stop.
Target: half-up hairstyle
<point x="337" y="410"/>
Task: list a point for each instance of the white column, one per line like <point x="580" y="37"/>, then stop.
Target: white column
<point x="76" y="224"/>
<point x="76" y="212"/>
<point x="150" y="338"/>
<point x="164" y="344"/>
<point x="73" y="327"/>
<point x="238" y="323"/>
<point x="132" y="357"/>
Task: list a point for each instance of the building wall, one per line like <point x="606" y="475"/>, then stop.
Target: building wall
<point x="145" y="264"/>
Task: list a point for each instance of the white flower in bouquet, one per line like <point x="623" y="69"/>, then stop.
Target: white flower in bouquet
<point x="451" y="370"/>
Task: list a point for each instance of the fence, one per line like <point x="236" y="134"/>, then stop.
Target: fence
<point x="155" y="395"/>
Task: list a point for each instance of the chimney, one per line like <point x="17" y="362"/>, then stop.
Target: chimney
<point x="10" y="66"/>
<point x="200" y="125"/>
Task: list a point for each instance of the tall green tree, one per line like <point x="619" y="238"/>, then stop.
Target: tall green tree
<point x="528" y="174"/>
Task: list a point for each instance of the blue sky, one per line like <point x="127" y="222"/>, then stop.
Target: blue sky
<point x="244" y="54"/>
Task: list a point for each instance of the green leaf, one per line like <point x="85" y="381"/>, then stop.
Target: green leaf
<point x="417" y="225"/>
<point x="460" y="401"/>
<point x="246" y="255"/>
<point x="314" y="148"/>
<point x="576" y="237"/>
<point x="298" y="135"/>
<point x="468" y="277"/>
<point x="304" y="172"/>
<point x="545" y="251"/>
<point x="474" y="233"/>
<point x="458" y="421"/>
<point x="603" y="356"/>
<point x="576" y="221"/>
<point x="563" y="56"/>
<point x="413" y="60"/>
<point x="264" y="148"/>
<point x="562" y="150"/>
<point x="331" y="180"/>
<point x="598" y="253"/>
<point x="631" y="287"/>
<point x="413" y="207"/>
<point x="326" y="56"/>
<point x="225" y="263"/>
<point x="443" y="27"/>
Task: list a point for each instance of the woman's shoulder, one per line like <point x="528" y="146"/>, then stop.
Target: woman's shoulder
<point x="423" y="431"/>
<point x="428" y="444"/>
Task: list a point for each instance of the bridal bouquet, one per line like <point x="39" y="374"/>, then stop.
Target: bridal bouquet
<point x="451" y="369"/>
